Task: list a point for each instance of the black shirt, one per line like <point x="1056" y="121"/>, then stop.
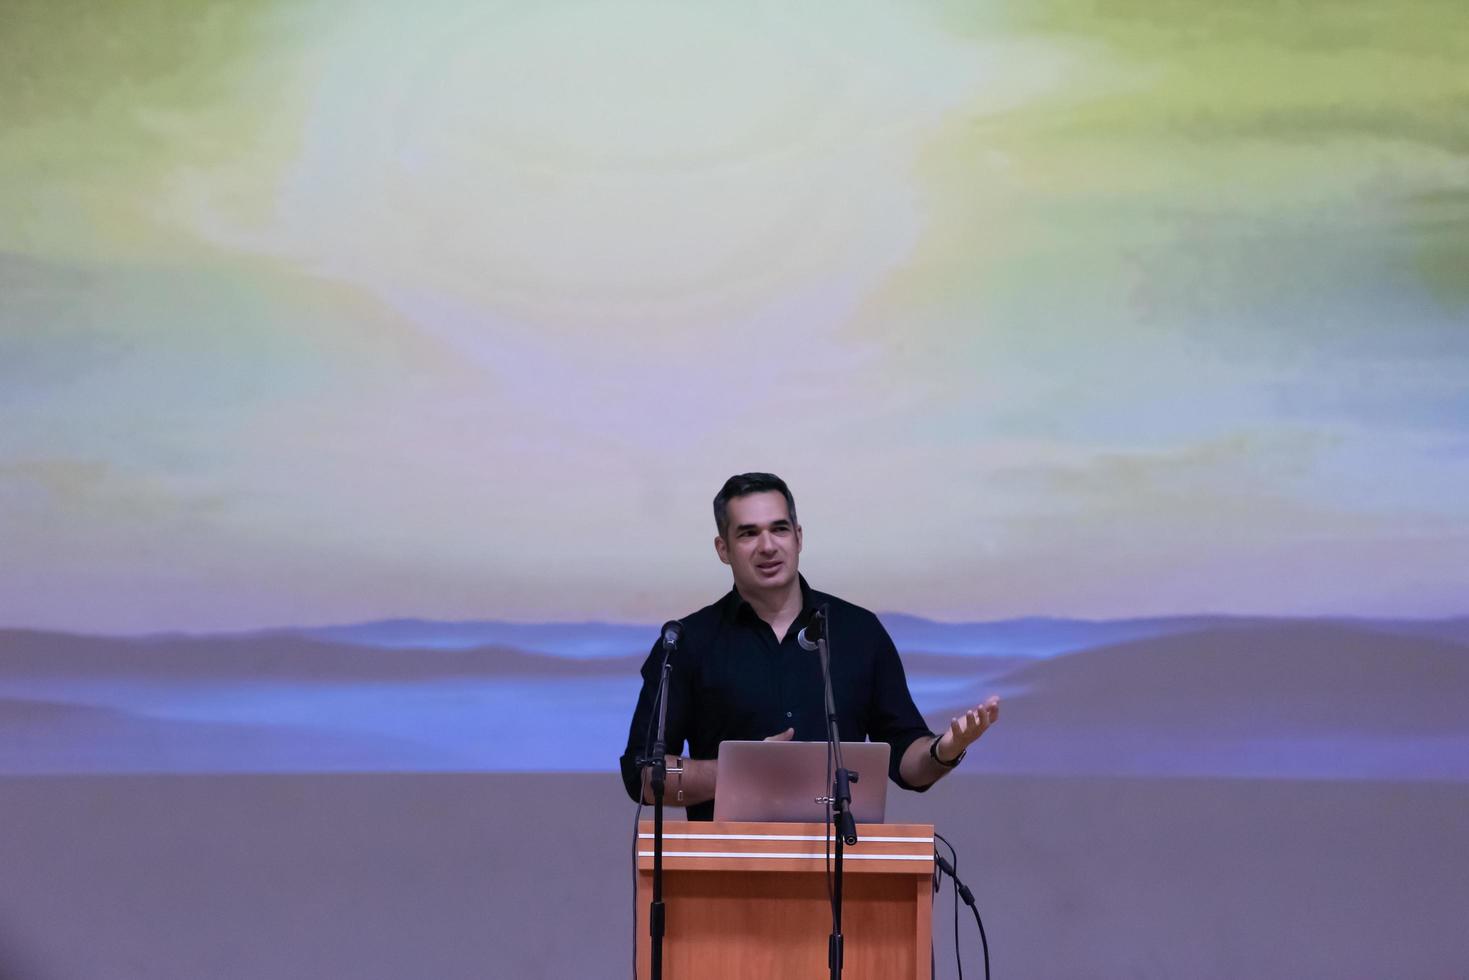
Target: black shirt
<point x="733" y="679"/>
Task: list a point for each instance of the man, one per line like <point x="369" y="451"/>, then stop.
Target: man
<point x="740" y="674"/>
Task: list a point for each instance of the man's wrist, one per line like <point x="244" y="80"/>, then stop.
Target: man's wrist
<point x="933" y="753"/>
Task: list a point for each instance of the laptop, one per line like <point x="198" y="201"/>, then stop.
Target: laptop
<point x="766" y="782"/>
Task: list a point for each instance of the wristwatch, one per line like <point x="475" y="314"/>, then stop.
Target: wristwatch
<point x="933" y="753"/>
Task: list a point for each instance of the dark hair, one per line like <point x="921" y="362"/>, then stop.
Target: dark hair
<point x="743" y="485"/>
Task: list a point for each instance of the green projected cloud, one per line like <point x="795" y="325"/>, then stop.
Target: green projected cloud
<point x="315" y="312"/>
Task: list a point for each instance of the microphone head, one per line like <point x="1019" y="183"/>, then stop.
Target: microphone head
<point x="672" y="631"/>
<point x="813" y="631"/>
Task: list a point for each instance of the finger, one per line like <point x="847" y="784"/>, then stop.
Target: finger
<point x="986" y="711"/>
<point x="784" y="736"/>
<point x="963" y="730"/>
<point x="981" y="722"/>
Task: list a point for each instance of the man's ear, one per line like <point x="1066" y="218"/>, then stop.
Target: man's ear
<point x="721" y="549"/>
<point x="799" y="539"/>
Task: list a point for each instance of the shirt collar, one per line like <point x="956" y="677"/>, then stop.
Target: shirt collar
<point x="734" y="602"/>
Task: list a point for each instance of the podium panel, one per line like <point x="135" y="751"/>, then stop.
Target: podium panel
<point x="749" y="901"/>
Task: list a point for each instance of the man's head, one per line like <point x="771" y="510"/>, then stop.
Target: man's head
<point x="758" y="538"/>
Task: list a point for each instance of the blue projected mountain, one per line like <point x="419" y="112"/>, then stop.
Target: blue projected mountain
<point x="1206" y="695"/>
<point x="1029" y="637"/>
<point x="561" y="639"/>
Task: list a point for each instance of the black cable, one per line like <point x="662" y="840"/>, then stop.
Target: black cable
<point x="954" y="880"/>
<point x="984" y="941"/>
<point x="636" y="820"/>
<point x="967" y="896"/>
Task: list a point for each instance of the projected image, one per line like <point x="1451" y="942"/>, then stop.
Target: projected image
<point x="1170" y="697"/>
<point x="365" y="373"/>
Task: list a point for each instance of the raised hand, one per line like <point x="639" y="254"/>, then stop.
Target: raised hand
<point x="966" y="729"/>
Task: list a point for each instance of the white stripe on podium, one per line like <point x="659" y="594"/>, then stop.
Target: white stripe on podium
<point x="788" y="837"/>
<point x="797" y="855"/>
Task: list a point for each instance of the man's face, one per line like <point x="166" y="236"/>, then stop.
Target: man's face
<point x="761" y="545"/>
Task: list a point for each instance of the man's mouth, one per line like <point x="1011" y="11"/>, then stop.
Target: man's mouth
<point x="767" y="567"/>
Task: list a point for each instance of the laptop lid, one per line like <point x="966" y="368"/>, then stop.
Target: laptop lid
<point x="782" y="781"/>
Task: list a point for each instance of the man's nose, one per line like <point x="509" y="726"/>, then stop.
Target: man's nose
<point x="766" y="544"/>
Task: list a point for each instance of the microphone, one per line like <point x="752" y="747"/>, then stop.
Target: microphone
<point x="813" y="631"/>
<point x="672" y="633"/>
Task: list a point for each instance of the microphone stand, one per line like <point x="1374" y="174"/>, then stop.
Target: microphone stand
<point x="658" y="779"/>
<point x="657" y="762"/>
<point x="840" y="800"/>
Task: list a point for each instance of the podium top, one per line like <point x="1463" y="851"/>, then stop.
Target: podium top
<point x="881" y="848"/>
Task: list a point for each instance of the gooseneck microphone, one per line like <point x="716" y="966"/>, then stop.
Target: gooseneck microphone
<point x="673" y="632"/>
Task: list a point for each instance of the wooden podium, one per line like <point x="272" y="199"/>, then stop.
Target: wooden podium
<point x="748" y="901"/>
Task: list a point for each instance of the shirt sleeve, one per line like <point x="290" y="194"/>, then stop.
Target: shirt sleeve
<point x="641" y="731"/>
<point x="893" y="716"/>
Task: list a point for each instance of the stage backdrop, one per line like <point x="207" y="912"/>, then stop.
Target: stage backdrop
<point x="366" y="373"/>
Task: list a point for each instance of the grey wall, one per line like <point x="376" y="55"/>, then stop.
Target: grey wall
<point x="376" y="877"/>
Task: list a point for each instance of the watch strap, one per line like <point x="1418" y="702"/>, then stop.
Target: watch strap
<point x="933" y="753"/>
